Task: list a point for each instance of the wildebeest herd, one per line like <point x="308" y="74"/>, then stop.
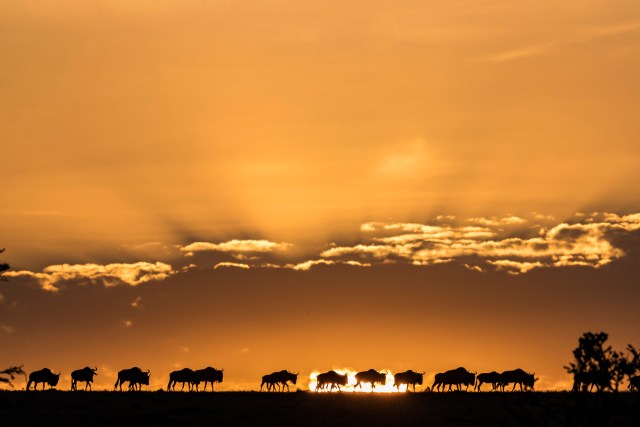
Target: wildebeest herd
<point x="455" y="379"/>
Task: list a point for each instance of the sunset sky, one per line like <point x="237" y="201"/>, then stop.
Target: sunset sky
<point x="308" y="185"/>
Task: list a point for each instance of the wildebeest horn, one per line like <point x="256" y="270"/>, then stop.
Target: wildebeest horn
<point x="148" y="371"/>
<point x="422" y="373"/>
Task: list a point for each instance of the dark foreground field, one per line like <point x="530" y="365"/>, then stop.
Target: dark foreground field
<point x="309" y="409"/>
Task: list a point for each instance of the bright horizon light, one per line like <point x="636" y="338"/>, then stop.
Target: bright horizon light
<point x="389" y="386"/>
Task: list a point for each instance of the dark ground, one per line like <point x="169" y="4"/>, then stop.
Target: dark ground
<point x="53" y="408"/>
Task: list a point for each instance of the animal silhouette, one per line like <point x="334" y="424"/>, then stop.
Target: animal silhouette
<point x="517" y="377"/>
<point x="208" y="375"/>
<point x="184" y="376"/>
<point x="586" y="381"/>
<point x="409" y="378"/>
<point x="84" y="375"/>
<point x="372" y="377"/>
<point x="456" y="377"/>
<point x="333" y="378"/>
<point x="278" y="380"/>
<point x="134" y="376"/>
<point x="44" y="376"/>
<point x="492" y="378"/>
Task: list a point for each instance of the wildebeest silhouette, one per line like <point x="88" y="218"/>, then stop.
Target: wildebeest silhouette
<point x="275" y="379"/>
<point x="372" y="377"/>
<point x="44" y="376"/>
<point x="84" y="375"/>
<point x="208" y="375"/>
<point x="409" y="378"/>
<point x="492" y="378"/>
<point x="586" y="381"/>
<point x="134" y="376"/>
<point x="634" y="383"/>
<point x="333" y="378"/>
<point x="455" y="377"/>
<point x="517" y="377"/>
<point x="183" y="376"/>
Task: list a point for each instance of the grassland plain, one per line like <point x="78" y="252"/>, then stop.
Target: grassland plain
<point x="61" y="408"/>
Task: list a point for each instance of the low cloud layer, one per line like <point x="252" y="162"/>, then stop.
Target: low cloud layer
<point x="511" y="243"/>
<point x="239" y="247"/>
<point x="107" y="275"/>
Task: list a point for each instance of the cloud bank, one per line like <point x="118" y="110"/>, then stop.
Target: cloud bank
<point x="503" y="243"/>
<point x="107" y="275"/>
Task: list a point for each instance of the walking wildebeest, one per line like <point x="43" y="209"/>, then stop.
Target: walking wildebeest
<point x="44" y="376"/>
<point x="134" y="376"/>
<point x="492" y="378"/>
<point x="333" y="378"/>
<point x="84" y="375"/>
<point x="183" y="376"/>
<point x="372" y="377"/>
<point x="458" y="377"/>
<point x="517" y="377"/>
<point x="208" y="375"/>
<point x="276" y="378"/>
<point x="634" y="383"/>
<point x="585" y="381"/>
<point x="409" y="378"/>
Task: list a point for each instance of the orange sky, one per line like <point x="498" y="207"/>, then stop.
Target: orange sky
<point x="317" y="184"/>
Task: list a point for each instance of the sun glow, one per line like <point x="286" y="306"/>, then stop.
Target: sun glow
<point x="388" y="387"/>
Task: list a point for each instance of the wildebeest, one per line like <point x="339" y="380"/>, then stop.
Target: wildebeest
<point x="492" y="378"/>
<point x="134" y="376"/>
<point x="409" y="378"/>
<point x="585" y="381"/>
<point x="517" y="377"/>
<point x="84" y="375"/>
<point x="372" y="377"/>
<point x="208" y="375"/>
<point x="634" y="383"/>
<point x="44" y="376"/>
<point x="455" y="377"/>
<point x="333" y="378"/>
<point x="275" y="379"/>
<point x="183" y="376"/>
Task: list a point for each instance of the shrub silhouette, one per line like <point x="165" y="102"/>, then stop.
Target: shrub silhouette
<point x="8" y="375"/>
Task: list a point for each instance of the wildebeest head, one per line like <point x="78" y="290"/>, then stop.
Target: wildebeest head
<point x="294" y="377"/>
<point x="53" y="380"/>
<point x="530" y="380"/>
<point x="144" y="379"/>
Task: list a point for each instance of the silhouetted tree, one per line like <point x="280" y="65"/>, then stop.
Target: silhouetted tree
<point x="3" y="267"/>
<point x="597" y="364"/>
<point x="592" y="360"/>
<point x="9" y="374"/>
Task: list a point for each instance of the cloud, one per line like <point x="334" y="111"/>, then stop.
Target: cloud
<point x="108" y="275"/>
<point x="236" y="246"/>
<point x="136" y="303"/>
<point x="520" y="53"/>
<point x="585" y="35"/>
<point x="588" y="241"/>
<point x="307" y="265"/>
<point x="7" y="329"/>
<point x="231" y="265"/>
